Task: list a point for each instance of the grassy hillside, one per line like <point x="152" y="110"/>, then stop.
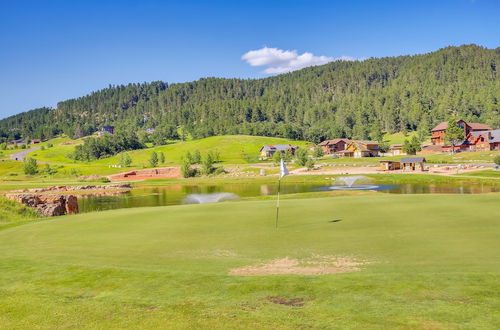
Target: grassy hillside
<point x="168" y="267"/>
<point x="232" y="149"/>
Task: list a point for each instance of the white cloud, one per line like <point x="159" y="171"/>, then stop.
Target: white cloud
<point x="280" y="61"/>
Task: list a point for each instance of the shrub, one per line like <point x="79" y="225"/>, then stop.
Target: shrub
<point x="162" y="157"/>
<point x="30" y="166"/>
<point x="318" y="152"/>
<point x="277" y="157"/>
<point x="153" y="161"/>
<point x="497" y="160"/>
<point x="196" y="159"/>
<point x="208" y="164"/>
<point x="186" y="170"/>
<point x="301" y="157"/>
<point x="309" y="164"/>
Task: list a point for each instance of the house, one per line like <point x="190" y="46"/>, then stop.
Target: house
<point x="106" y="129"/>
<point x="412" y="164"/>
<point x="268" y="151"/>
<point x="482" y="141"/>
<point x="333" y="146"/>
<point x="35" y="141"/>
<point x="358" y="149"/>
<point x="389" y="165"/>
<point x="396" y="150"/>
<point x="439" y="132"/>
<point x="14" y="142"/>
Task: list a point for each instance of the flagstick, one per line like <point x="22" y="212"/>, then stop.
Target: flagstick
<point x="278" y="202"/>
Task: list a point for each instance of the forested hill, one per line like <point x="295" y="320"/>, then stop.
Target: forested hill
<point x="341" y="98"/>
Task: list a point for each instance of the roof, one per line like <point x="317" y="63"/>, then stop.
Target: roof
<point x="479" y="126"/>
<point x="361" y="145"/>
<point x="396" y="146"/>
<point x="281" y="147"/>
<point x="475" y="126"/>
<point x="494" y="137"/>
<point x="334" y="141"/>
<point x="413" y="160"/>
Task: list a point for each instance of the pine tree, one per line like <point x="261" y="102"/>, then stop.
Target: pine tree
<point x="162" y="157"/>
<point x="454" y="134"/>
<point x="153" y="161"/>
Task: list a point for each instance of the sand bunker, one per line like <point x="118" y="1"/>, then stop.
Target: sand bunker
<point x="317" y="265"/>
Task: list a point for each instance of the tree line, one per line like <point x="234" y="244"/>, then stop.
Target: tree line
<point x="340" y="99"/>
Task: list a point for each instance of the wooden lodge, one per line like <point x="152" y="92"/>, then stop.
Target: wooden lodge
<point x="269" y="150"/>
<point x="358" y="149"/>
<point x="331" y="147"/>
<point x="439" y="132"/>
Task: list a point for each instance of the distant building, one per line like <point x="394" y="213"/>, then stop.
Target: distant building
<point x="439" y="132"/>
<point x="409" y="164"/>
<point x="107" y="129"/>
<point x="18" y="141"/>
<point x="35" y="141"/>
<point x="358" y="149"/>
<point x="396" y="150"/>
<point x="269" y="150"/>
<point x="482" y="141"/>
<point x="333" y="146"/>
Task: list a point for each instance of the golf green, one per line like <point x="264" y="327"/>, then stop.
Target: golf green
<point x="429" y="261"/>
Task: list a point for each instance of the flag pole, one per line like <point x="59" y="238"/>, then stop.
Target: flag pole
<point x="278" y="203"/>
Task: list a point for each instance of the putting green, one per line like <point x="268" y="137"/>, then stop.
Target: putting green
<point x="434" y="264"/>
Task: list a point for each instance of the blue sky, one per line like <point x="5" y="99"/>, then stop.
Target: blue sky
<point x="55" y="50"/>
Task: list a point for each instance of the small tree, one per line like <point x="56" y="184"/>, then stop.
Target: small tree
<point x="196" y="159"/>
<point x="208" y="164"/>
<point x="287" y="157"/>
<point x="497" y="160"/>
<point x="277" y="157"/>
<point x="310" y="164"/>
<point x="411" y="146"/>
<point x="125" y="160"/>
<point x="318" y="152"/>
<point x="301" y="157"/>
<point x="153" y="161"/>
<point x="188" y="157"/>
<point x="186" y="169"/>
<point x="384" y="146"/>
<point x="454" y="134"/>
<point x="162" y="157"/>
<point x="30" y="166"/>
<point x="49" y="170"/>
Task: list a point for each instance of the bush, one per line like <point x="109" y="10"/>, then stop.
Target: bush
<point x="208" y="164"/>
<point x="318" y="152"/>
<point x="186" y="170"/>
<point x="309" y="164"/>
<point x="125" y="160"/>
<point x="277" y="157"/>
<point x="30" y="166"/>
<point x="153" y="161"/>
<point x="196" y="159"/>
<point x="219" y="171"/>
<point x="497" y="160"/>
<point x="162" y="157"/>
<point x="301" y="157"/>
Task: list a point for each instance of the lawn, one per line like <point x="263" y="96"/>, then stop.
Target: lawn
<point x="432" y="263"/>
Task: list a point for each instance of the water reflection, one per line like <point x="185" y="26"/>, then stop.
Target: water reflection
<point x="175" y="194"/>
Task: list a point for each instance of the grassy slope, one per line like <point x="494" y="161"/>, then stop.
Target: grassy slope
<point x="436" y="265"/>
<point x="230" y="148"/>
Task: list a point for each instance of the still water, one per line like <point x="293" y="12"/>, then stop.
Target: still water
<point x="181" y="194"/>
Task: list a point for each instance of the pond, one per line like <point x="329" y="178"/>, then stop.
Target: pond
<point x="184" y="194"/>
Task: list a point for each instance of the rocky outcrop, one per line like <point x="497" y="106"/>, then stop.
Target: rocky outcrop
<point x="48" y="205"/>
<point x="73" y="188"/>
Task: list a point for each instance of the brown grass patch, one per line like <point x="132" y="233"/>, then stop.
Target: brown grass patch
<point x="317" y="265"/>
<point x="294" y="302"/>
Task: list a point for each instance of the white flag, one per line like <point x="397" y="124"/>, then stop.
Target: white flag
<point x="283" y="169"/>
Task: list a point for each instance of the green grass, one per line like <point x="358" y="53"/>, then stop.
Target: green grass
<point x="230" y="147"/>
<point x="435" y="265"/>
<point x="484" y="174"/>
<point x="12" y="212"/>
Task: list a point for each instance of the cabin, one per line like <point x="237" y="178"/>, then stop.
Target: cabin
<point x="106" y="129"/>
<point x="358" y="149"/>
<point x="269" y="150"/>
<point x="330" y="147"/>
<point x="389" y="165"/>
<point x="35" y="141"/>
<point x="396" y="150"/>
<point x="482" y="141"/>
<point x="412" y="164"/>
<point x="439" y="132"/>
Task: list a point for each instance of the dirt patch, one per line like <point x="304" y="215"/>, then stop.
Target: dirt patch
<point x="317" y="265"/>
<point x="294" y="302"/>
